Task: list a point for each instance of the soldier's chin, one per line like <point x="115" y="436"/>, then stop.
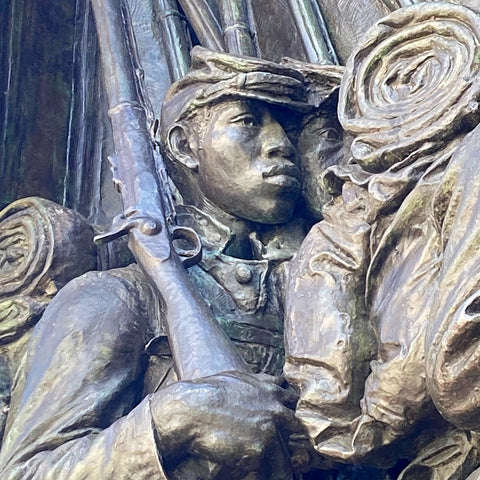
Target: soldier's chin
<point x="272" y="214"/>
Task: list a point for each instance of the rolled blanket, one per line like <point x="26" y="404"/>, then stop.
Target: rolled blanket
<point x="42" y="247"/>
<point x="412" y="85"/>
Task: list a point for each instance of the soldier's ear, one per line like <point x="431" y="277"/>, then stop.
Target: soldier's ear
<point x="180" y="146"/>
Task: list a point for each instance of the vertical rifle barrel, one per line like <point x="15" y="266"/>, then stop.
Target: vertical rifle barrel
<point x="193" y="332"/>
<point x="324" y="30"/>
<point x="116" y="64"/>
<point x="174" y="38"/>
<point x="392" y="4"/>
<point x="204" y="22"/>
<point x="236" y="29"/>
<point x="126" y="111"/>
<point x="313" y="31"/>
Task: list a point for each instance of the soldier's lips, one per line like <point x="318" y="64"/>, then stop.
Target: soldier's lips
<point x="287" y="182"/>
<point x="285" y="176"/>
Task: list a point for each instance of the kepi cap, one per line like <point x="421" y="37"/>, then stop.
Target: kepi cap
<point x="215" y="77"/>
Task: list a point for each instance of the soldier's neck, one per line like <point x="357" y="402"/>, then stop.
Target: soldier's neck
<point x="240" y="246"/>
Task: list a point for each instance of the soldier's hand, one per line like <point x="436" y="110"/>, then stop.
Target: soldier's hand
<point x="235" y="419"/>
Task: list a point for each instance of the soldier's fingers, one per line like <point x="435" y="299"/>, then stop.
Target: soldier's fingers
<point x="287" y="421"/>
<point x="276" y="379"/>
<point x="285" y="393"/>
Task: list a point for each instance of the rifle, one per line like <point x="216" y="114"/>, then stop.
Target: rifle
<point x="313" y="31"/>
<point x="236" y="27"/>
<point x="174" y="37"/>
<point x="149" y="216"/>
<point x="204" y="23"/>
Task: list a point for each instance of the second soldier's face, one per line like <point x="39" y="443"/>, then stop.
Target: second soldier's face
<point x="319" y="147"/>
<point x="247" y="165"/>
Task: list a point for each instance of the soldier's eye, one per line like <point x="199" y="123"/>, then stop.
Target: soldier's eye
<point x="245" y="119"/>
<point x="329" y="134"/>
<point x="291" y="131"/>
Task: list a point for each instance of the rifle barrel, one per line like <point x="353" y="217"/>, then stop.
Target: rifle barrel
<point x="192" y="330"/>
<point x="204" y="22"/>
<point x="174" y="38"/>
<point x="313" y="31"/>
<point x="236" y="27"/>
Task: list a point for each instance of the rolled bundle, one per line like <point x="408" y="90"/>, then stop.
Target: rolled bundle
<point x="42" y="247"/>
<point x="412" y="85"/>
<point x="24" y="250"/>
<point x="17" y="315"/>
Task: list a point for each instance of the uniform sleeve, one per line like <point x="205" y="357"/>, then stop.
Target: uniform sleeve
<point x="125" y="450"/>
<point x="453" y="334"/>
<point x="328" y="340"/>
<point x="75" y="411"/>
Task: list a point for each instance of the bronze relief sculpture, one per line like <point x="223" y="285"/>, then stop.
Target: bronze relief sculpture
<point x="338" y="248"/>
<point x="378" y="276"/>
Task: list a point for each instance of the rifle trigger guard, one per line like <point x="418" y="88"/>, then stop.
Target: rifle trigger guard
<point x="190" y="256"/>
<point x="123" y="223"/>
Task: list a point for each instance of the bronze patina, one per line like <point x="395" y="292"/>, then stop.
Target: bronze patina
<point x="303" y="302"/>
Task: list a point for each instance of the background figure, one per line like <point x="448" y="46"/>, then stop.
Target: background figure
<point x="372" y="268"/>
<point x="319" y="136"/>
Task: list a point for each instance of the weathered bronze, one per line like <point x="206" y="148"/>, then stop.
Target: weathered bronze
<point x="315" y="38"/>
<point x="383" y="265"/>
<point x="287" y="218"/>
<point x="174" y="37"/>
<point x="224" y="104"/>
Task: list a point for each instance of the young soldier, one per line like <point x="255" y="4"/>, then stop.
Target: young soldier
<point x="90" y="400"/>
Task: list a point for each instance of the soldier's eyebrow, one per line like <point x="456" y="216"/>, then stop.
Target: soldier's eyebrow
<point x="239" y="108"/>
<point x="310" y="117"/>
<point x="228" y="107"/>
<point x="242" y="115"/>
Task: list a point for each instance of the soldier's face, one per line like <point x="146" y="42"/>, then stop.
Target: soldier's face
<point x="247" y="165"/>
<point x="319" y="146"/>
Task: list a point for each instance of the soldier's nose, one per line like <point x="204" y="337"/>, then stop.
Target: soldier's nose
<point x="276" y="142"/>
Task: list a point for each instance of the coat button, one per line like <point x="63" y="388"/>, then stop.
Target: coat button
<point x="243" y="274"/>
